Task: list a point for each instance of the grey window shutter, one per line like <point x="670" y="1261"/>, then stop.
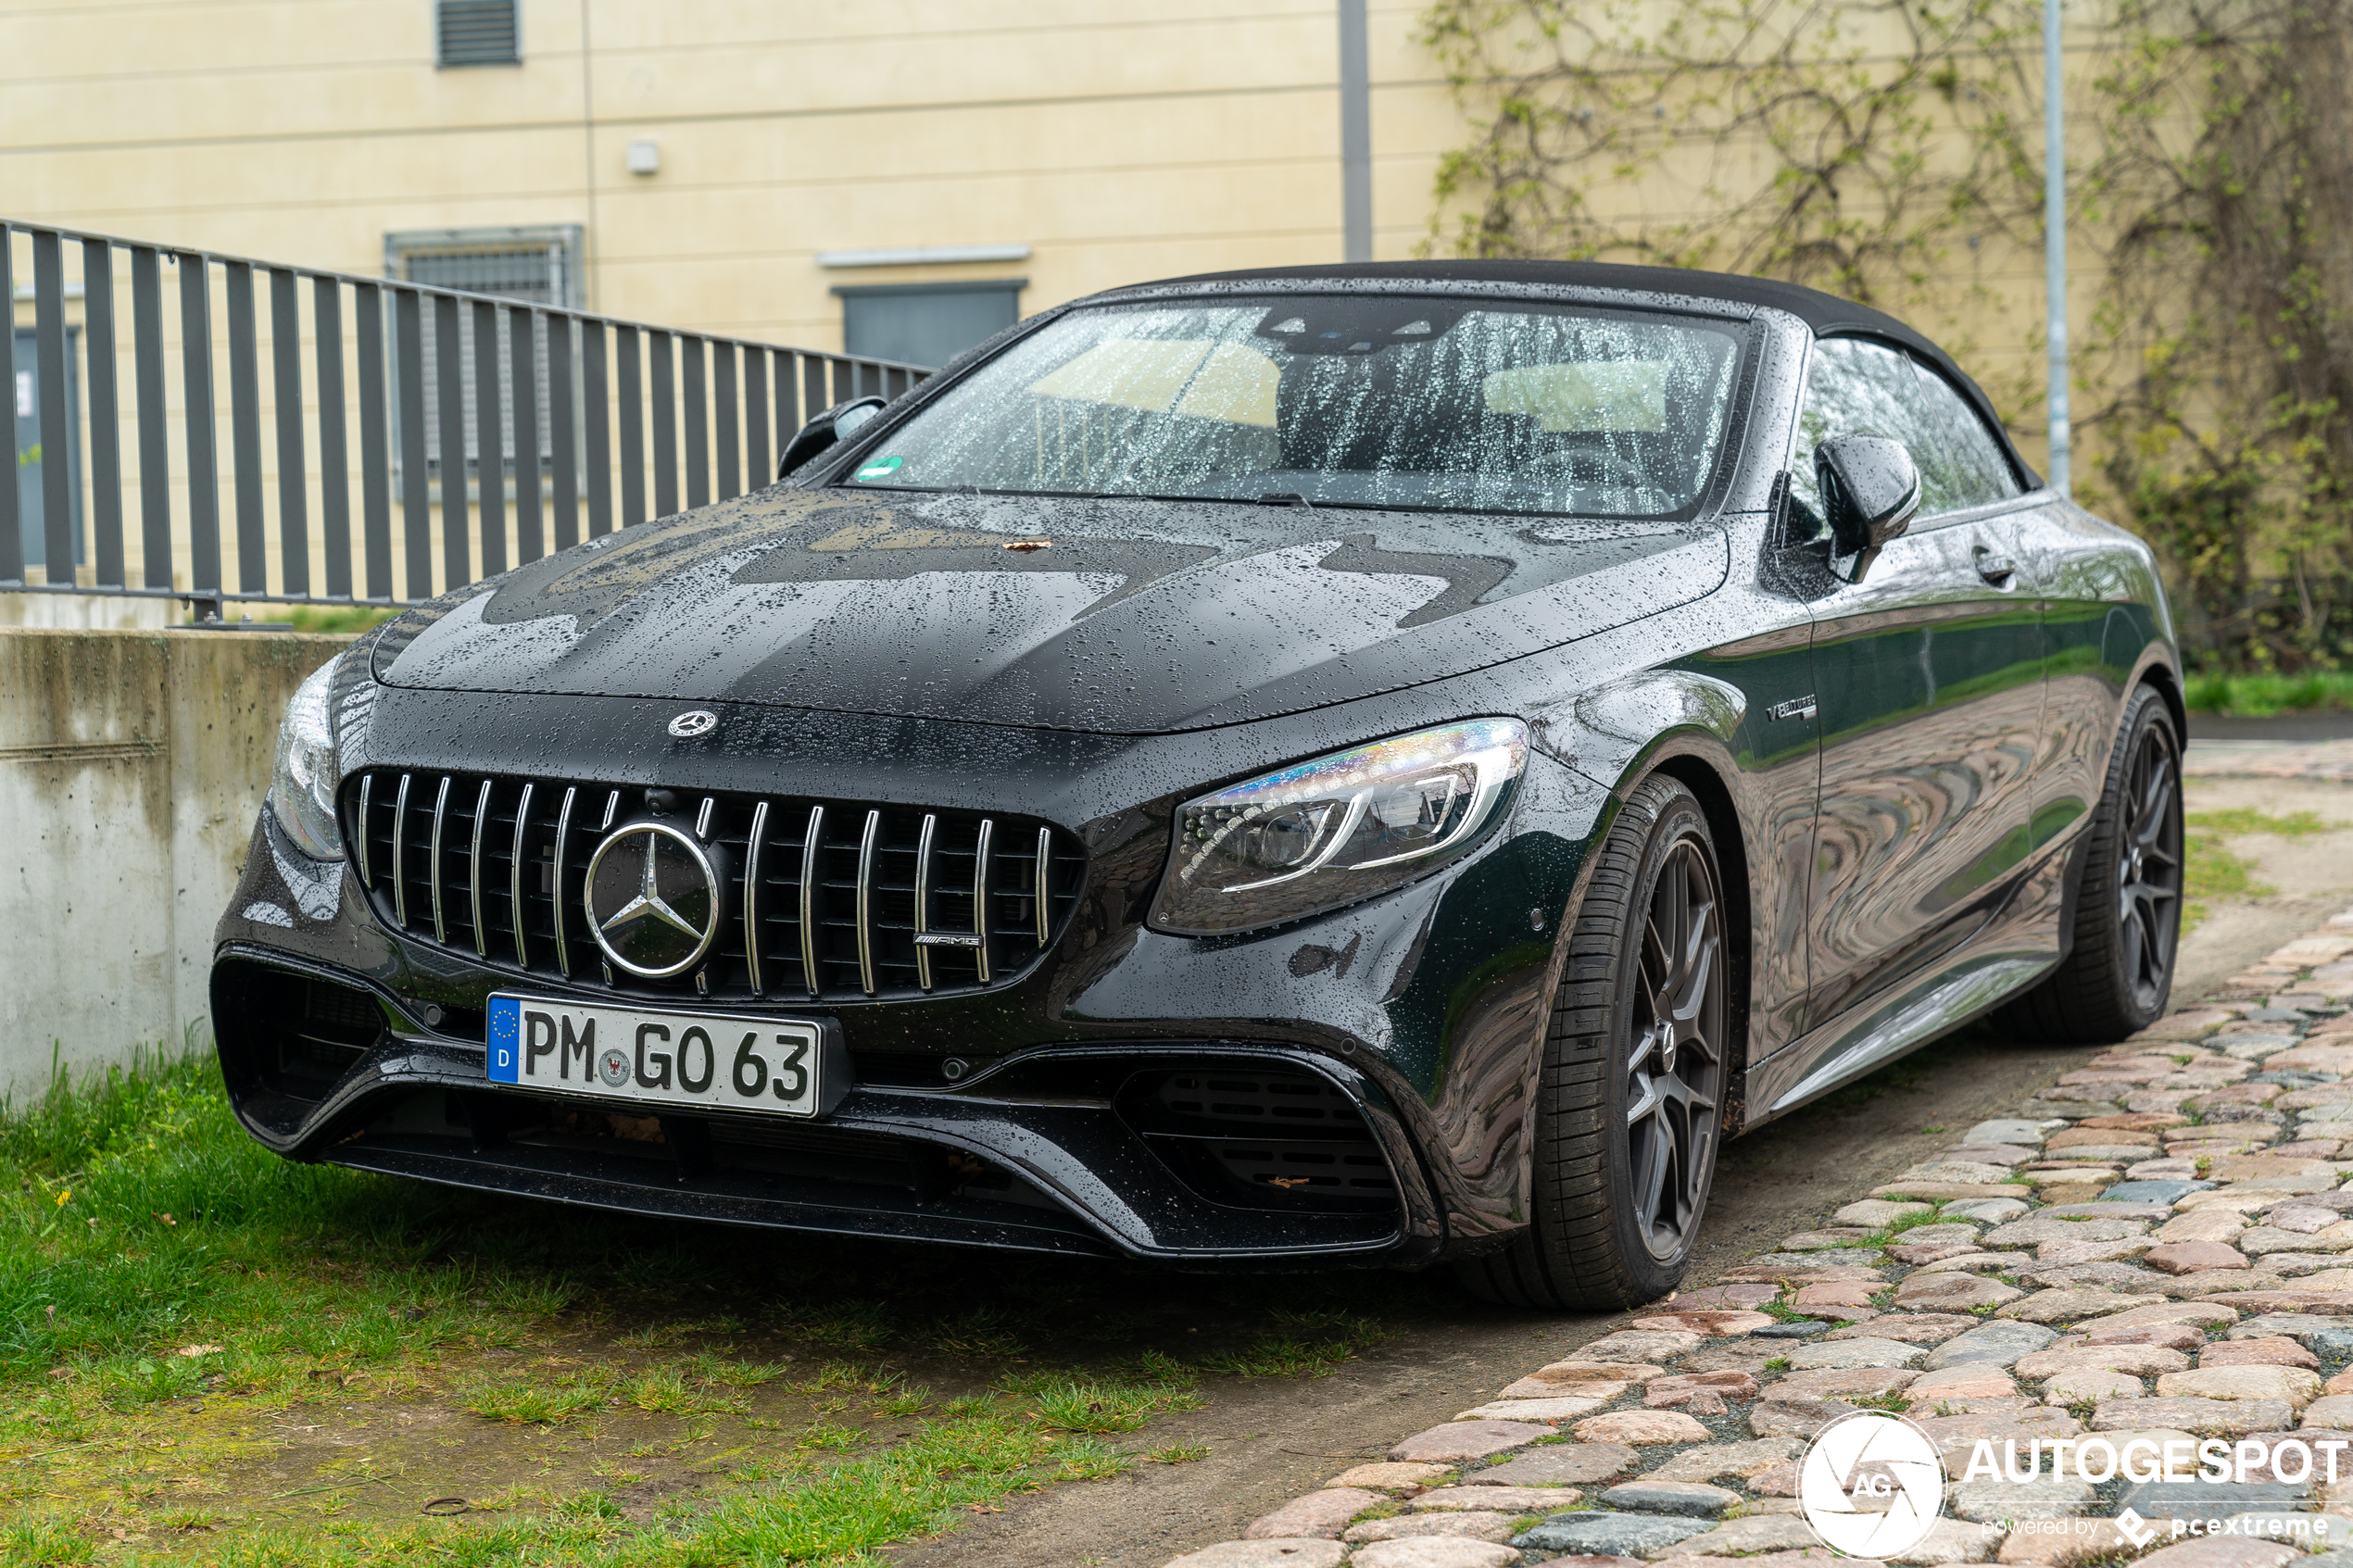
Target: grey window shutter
<point x="478" y="32"/>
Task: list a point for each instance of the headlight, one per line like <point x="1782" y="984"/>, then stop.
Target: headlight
<point x="302" y="786"/>
<point x="1326" y="833"/>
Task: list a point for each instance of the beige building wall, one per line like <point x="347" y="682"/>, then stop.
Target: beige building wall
<point x="1120" y="141"/>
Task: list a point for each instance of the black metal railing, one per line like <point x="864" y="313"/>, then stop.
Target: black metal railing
<point x="386" y="441"/>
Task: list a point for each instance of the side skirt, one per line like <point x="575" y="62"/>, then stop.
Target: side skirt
<point x="2013" y="951"/>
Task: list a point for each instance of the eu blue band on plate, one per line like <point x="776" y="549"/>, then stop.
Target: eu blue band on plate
<point x="506" y="1038"/>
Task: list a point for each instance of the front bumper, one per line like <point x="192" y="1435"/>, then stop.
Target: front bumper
<point x="1418" y="1015"/>
<point x="1051" y="1151"/>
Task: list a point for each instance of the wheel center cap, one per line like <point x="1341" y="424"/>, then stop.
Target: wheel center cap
<point x="1663" y="1037"/>
<point x="2132" y="867"/>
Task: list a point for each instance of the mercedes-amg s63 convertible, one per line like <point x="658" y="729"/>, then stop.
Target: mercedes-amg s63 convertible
<point x="1381" y="765"/>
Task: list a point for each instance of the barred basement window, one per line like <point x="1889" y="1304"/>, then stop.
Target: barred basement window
<point x="538" y="265"/>
<point x="478" y="32"/>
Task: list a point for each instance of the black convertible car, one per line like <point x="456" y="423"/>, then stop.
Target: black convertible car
<point x="1374" y="765"/>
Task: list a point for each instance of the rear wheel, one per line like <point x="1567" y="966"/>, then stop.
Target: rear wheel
<point x="1630" y="1103"/>
<point x="2117" y="976"/>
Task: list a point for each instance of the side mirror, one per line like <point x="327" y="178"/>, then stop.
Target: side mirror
<point x="836" y="423"/>
<point x="1869" y="487"/>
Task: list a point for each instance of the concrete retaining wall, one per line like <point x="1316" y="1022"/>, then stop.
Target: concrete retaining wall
<point x="131" y="766"/>
<point x="84" y="612"/>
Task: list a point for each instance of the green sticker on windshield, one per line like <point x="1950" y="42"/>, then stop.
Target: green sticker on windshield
<point x="881" y="468"/>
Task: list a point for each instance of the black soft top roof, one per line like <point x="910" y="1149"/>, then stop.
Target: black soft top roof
<point x="1827" y="314"/>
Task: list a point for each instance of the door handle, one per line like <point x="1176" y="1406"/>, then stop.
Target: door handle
<point x="1996" y="570"/>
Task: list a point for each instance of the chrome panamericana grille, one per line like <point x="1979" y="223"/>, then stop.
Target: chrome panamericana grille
<point x="825" y="899"/>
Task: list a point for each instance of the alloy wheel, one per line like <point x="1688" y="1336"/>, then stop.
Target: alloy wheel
<point x="2148" y="872"/>
<point x="1675" y="1065"/>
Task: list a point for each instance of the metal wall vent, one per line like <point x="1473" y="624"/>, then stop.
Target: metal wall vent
<point x="478" y="32"/>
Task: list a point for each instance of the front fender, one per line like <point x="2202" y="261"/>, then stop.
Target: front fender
<point x="1491" y="1023"/>
<point x="1620" y="728"/>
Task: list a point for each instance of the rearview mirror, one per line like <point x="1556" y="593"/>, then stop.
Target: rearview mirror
<point x="836" y="423"/>
<point x="1869" y="487"/>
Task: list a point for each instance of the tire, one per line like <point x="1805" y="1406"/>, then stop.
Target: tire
<point x="2117" y="976"/>
<point x="1630" y="1105"/>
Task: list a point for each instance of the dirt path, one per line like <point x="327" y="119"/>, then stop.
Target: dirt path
<point x="1269" y="1440"/>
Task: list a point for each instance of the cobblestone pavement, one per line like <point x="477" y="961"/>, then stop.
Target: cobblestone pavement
<point x="2158" y="1243"/>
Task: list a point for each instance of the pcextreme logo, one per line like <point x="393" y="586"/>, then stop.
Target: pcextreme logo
<point x="1871" y="1485"/>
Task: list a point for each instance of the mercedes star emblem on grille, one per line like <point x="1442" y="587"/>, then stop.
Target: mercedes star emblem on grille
<point x="694" y="722"/>
<point x="652" y="899"/>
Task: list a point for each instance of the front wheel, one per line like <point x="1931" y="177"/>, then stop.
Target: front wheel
<point x="1630" y="1103"/>
<point x="2119" y="973"/>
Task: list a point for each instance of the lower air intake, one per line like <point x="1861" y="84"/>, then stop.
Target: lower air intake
<point x="1280" y="1138"/>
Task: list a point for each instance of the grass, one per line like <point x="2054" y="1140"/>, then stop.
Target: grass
<point x="1315" y="1345"/>
<point x="2260" y="696"/>
<point x="2212" y="872"/>
<point x="1893" y="1230"/>
<point x="344" y="619"/>
<point x="2244" y="820"/>
<point x="335" y="619"/>
<point x="213" y="1356"/>
<point x="536" y="1400"/>
<point x="1063" y="1404"/>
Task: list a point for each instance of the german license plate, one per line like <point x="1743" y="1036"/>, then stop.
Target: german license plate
<point x="659" y="1058"/>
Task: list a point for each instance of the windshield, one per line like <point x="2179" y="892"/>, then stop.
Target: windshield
<point x="1380" y="400"/>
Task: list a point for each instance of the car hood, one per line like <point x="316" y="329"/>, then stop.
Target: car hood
<point x="1118" y="616"/>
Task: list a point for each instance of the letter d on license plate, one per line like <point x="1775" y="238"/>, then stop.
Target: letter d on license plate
<point x="787" y="1067"/>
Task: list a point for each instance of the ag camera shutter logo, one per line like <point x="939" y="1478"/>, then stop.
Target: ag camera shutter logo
<point x="1871" y="1485"/>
